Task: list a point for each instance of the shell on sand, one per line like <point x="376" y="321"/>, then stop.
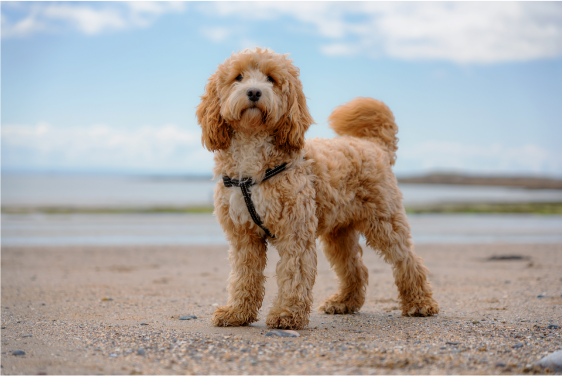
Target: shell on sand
<point x="551" y="361"/>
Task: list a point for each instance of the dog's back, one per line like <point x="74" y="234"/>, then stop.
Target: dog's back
<point x="353" y="172"/>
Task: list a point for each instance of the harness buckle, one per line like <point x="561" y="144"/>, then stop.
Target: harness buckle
<point x="244" y="184"/>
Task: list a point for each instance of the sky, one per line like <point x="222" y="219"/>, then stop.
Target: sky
<point x="108" y="87"/>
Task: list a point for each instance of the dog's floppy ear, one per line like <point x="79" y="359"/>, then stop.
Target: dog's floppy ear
<point x="289" y="133"/>
<point x="216" y="132"/>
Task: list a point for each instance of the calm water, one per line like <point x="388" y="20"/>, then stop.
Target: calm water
<point x="117" y="191"/>
<point x="177" y="229"/>
<point x="170" y="229"/>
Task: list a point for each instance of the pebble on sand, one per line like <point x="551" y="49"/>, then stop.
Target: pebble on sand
<point x="141" y="352"/>
<point x="282" y="333"/>
<point x="144" y="323"/>
<point x="20" y="352"/>
<point x="551" y="361"/>
<point x="188" y="317"/>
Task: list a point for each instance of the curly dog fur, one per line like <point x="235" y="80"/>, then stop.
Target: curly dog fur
<point x="254" y="116"/>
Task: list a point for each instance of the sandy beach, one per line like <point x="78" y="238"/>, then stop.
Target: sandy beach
<point x="115" y="310"/>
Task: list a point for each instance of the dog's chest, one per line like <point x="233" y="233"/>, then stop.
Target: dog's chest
<point x="245" y="158"/>
<point x="238" y="210"/>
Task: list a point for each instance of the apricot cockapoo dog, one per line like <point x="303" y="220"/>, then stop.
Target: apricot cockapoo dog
<point x="279" y="189"/>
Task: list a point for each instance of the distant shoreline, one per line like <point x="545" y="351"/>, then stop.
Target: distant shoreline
<point x="453" y="179"/>
<point x="526" y="182"/>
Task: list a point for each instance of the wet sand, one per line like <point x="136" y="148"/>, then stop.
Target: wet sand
<point x="79" y="310"/>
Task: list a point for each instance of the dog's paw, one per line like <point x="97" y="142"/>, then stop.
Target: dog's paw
<point x="426" y="307"/>
<point x="228" y="316"/>
<point x="283" y="319"/>
<point x="336" y="305"/>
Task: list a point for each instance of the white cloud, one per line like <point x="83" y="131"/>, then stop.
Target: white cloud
<point x="85" y="18"/>
<point x="327" y="18"/>
<point x="464" y="32"/>
<point x="493" y="158"/>
<point x="216" y="34"/>
<point x="172" y="148"/>
<point x="26" y="26"/>
<point x="340" y="49"/>
<point x="156" y="7"/>
<point x="165" y="148"/>
<point x="89" y="19"/>
<point x="232" y="35"/>
<point x="470" y="32"/>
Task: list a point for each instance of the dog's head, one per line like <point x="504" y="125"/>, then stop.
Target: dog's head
<point x="254" y="90"/>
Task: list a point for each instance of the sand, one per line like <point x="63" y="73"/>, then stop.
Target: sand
<point x="80" y="310"/>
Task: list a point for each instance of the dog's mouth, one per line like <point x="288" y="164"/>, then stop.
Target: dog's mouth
<point x="252" y="117"/>
<point x="251" y="112"/>
<point x="253" y="108"/>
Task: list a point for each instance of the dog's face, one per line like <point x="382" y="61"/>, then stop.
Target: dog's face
<point x="254" y="90"/>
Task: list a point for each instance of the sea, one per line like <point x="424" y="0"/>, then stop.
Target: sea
<point x="109" y="191"/>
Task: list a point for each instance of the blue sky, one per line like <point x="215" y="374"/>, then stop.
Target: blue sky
<point x="112" y="87"/>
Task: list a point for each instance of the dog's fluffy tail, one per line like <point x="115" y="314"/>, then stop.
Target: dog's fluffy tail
<point x="367" y="118"/>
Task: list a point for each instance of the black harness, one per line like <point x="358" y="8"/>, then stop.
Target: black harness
<point x="244" y="184"/>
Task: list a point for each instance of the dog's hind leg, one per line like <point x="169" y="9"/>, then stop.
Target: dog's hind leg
<point x="247" y="256"/>
<point x="343" y="251"/>
<point x="391" y="236"/>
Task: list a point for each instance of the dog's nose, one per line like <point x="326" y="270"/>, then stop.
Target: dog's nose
<point x="254" y="94"/>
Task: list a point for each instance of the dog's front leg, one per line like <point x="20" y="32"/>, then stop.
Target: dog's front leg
<point x="247" y="256"/>
<point x="295" y="273"/>
<point x="296" y="269"/>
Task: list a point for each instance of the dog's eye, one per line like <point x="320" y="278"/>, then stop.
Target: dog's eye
<point x="239" y="77"/>
<point x="269" y="78"/>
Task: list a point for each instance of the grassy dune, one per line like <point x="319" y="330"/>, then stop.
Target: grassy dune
<point x="526" y="207"/>
<point x="505" y="181"/>
<point x="86" y="210"/>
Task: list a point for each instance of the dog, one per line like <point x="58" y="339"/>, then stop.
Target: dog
<point x="253" y="115"/>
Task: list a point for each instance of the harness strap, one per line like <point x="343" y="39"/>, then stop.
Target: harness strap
<point x="244" y="184"/>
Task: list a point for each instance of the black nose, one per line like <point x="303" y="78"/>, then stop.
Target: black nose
<point x="254" y="94"/>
